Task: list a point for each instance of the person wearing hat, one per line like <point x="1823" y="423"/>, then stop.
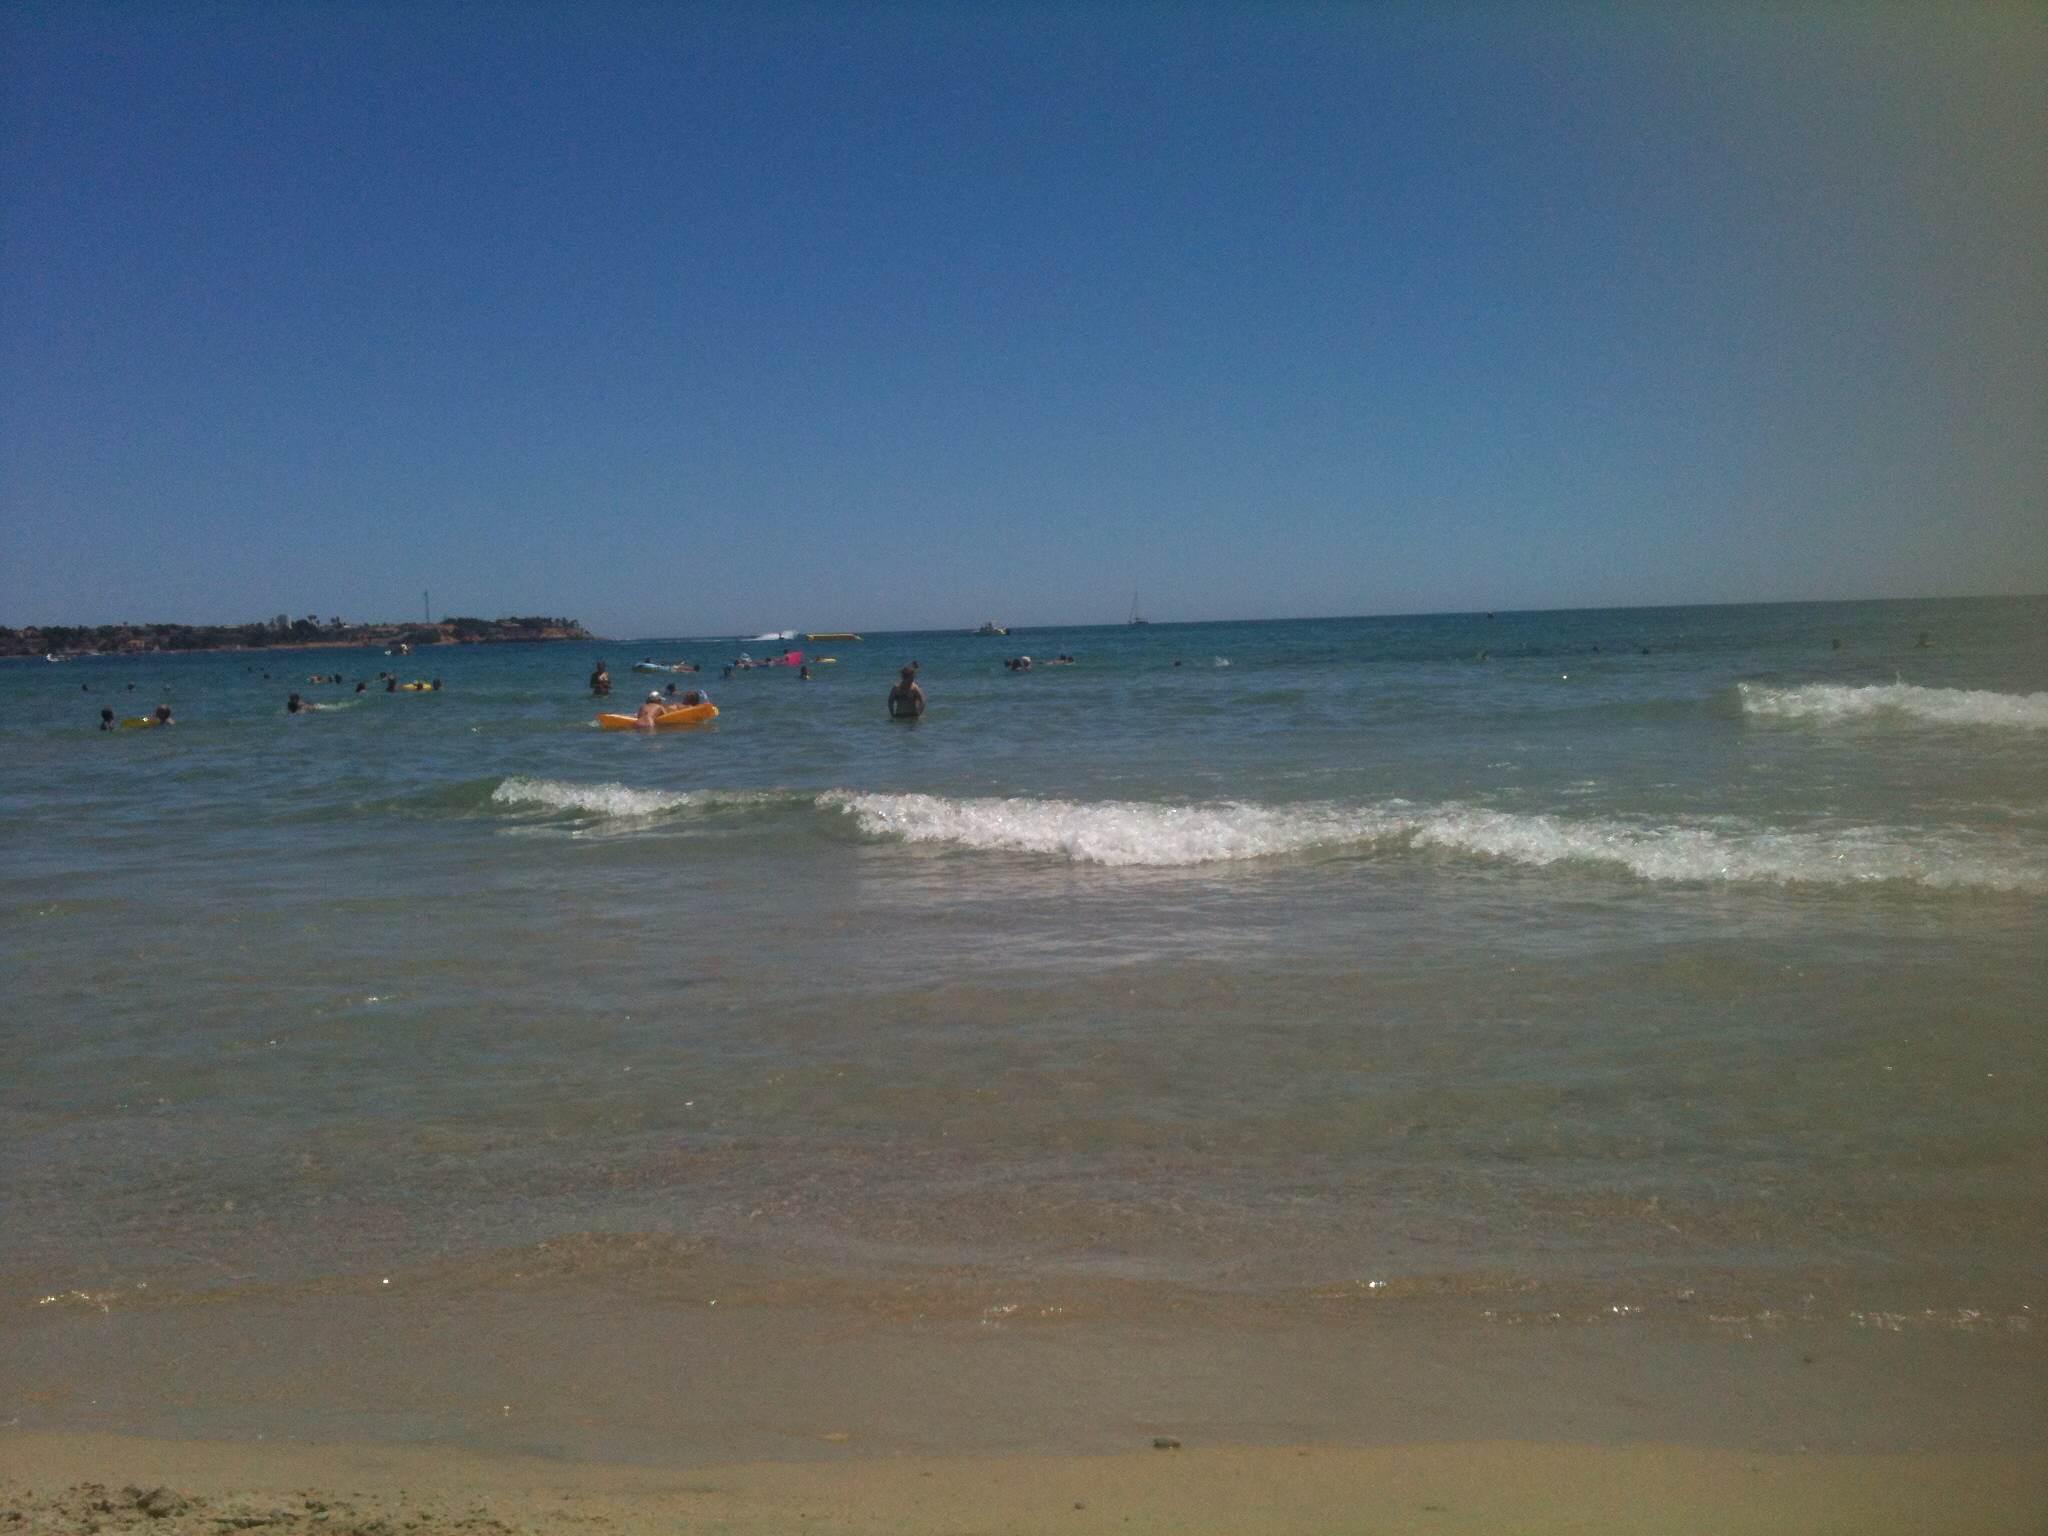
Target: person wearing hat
<point x="653" y="709"/>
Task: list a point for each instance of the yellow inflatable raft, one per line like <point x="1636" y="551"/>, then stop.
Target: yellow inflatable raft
<point x="688" y="714"/>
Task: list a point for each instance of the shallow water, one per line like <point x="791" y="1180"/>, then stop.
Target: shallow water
<point x="1657" y="956"/>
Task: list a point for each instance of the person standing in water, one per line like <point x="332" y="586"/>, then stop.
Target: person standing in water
<point x="906" y="699"/>
<point x="600" y="681"/>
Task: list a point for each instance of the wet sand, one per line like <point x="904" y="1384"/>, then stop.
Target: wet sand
<point x="557" y="1411"/>
<point x="51" y="1484"/>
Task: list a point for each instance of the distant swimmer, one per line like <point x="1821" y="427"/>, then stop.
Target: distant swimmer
<point x="600" y="681"/>
<point x="163" y="715"/>
<point x="803" y="674"/>
<point x="391" y="685"/>
<point x="361" y="686"/>
<point x="906" y="699"/>
<point x="298" y="706"/>
<point x="106" y="719"/>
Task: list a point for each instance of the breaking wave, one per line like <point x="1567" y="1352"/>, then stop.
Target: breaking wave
<point x="1830" y="702"/>
<point x="1147" y="835"/>
<point x="625" y="801"/>
<point x="1131" y="834"/>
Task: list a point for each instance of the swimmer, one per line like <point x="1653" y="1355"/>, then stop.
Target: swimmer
<point x="296" y="705"/>
<point x="906" y="699"/>
<point x="600" y="681"/>
<point x="803" y="674"/>
<point x="106" y="719"/>
<point x="361" y="685"/>
<point x="650" y="711"/>
<point x="163" y="715"/>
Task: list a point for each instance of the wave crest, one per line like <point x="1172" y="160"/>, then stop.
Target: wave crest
<point x="1830" y="702"/>
<point x="1129" y="834"/>
<point x="1110" y="832"/>
<point x="592" y="799"/>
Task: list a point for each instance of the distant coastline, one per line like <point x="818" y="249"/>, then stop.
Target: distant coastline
<point x="278" y="634"/>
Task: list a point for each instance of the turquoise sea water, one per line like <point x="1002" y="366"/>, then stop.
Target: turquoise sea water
<point x="1657" y="955"/>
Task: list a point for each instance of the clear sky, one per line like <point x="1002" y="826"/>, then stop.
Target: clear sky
<point x="718" y="318"/>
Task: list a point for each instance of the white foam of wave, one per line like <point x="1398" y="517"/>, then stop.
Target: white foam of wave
<point x="1106" y="832"/>
<point x="1829" y="702"/>
<point x="1122" y="833"/>
<point x="593" y="799"/>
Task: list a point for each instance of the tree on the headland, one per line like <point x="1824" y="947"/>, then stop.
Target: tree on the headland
<point x="133" y="638"/>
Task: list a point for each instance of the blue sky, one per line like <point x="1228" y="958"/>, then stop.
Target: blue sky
<point x="707" y="319"/>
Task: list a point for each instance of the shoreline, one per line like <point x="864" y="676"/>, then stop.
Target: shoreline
<point x="64" y="1483"/>
<point x="432" y="648"/>
<point x="610" y="1409"/>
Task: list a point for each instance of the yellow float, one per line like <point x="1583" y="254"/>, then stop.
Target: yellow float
<point x="687" y="714"/>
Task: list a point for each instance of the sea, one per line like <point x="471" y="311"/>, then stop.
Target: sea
<point x="1680" y="966"/>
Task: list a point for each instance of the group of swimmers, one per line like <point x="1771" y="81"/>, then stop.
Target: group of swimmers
<point x="657" y="704"/>
<point x="1024" y="663"/>
<point x="161" y="716"/>
<point x="297" y="704"/>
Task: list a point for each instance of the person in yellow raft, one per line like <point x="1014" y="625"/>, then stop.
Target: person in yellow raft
<point x="651" y="711"/>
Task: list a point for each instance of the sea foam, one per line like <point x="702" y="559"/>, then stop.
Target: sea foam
<point x="1105" y="832"/>
<point x="1831" y="702"/>
<point x="1131" y="834"/>
<point x="591" y="799"/>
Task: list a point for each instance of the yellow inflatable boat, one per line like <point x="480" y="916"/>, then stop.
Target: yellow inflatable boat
<point x="688" y="714"/>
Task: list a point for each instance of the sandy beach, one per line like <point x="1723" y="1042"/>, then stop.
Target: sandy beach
<point x="484" y="1412"/>
<point x="51" y="1484"/>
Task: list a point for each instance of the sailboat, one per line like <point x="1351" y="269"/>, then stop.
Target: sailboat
<point x="1136" y="617"/>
